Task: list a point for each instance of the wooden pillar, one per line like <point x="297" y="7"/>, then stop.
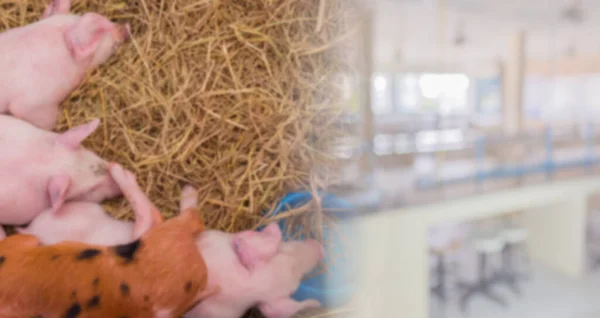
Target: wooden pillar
<point x="513" y="74"/>
<point x="366" y="111"/>
<point x="441" y="15"/>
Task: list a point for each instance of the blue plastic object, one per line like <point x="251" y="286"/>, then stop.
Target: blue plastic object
<point x="334" y="287"/>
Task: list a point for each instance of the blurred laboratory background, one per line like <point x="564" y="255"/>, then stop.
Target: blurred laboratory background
<point x="478" y="157"/>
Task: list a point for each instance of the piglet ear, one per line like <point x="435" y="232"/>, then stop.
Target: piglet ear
<point x="57" y="7"/>
<point x="84" y="36"/>
<point x="273" y="230"/>
<point x="73" y="137"/>
<point x="245" y="252"/>
<point x="57" y="190"/>
<point x="253" y="248"/>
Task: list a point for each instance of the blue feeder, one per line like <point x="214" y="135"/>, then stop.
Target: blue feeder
<point x="334" y="287"/>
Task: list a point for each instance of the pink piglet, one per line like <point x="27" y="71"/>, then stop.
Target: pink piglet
<point x="88" y="222"/>
<point x="41" y="170"/>
<point x="43" y="62"/>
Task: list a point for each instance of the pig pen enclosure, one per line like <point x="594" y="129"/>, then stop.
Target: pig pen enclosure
<point x="236" y="97"/>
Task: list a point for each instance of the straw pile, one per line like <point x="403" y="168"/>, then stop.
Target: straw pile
<point x="236" y="97"/>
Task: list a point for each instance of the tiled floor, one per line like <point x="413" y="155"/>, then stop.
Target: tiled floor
<point x="547" y="294"/>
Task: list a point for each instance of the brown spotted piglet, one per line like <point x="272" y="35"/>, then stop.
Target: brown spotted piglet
<point x="162" y="274"/>
<point x="250" y="268"/>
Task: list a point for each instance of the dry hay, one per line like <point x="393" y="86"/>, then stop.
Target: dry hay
<point x="236" y="97"/>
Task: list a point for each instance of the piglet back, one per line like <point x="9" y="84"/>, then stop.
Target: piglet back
<point x="176" y="260"/>
<point x="162" y="272"/>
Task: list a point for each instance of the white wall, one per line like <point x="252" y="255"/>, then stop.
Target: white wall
<point x="409" y="27"/>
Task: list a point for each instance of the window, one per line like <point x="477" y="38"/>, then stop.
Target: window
<point x="567" y="98"/>
<point x="563" y="99"/>
<point x="535" y="94"/>
<point x="383" y="145"/>
<point x="403" y="144"/>
<point x="408" y="96"/>
<point x="429" y="109"/>
<point x="445" y="93"/>
<point x="413" y="93"/>
<point x="381" y="94"/>
<point x="489" y="95"/>
<point x="591" y="89"/>
<point x="427" y="140"/>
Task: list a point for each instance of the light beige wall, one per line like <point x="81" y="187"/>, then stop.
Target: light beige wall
<point x="565" y="66"/>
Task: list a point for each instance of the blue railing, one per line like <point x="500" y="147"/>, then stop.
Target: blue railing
<point x="548" y="166"/>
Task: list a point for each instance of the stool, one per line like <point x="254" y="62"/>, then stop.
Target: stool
<point x="443" y="241"/>
<point x="513" y="236"/>
<point x="439" y="289"/>
<point x="593" y="238"/>
<point x="485" y="246"/>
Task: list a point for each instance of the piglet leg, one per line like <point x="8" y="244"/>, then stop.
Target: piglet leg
<point x="286" y="307"/>
<point x="189" y="198"/>
<point x="146" y="214"/>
